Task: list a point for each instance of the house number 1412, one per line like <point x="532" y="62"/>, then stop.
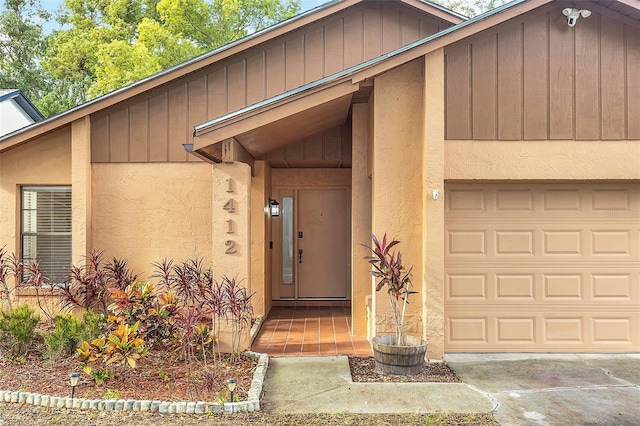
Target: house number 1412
<point x="229" y="207"/>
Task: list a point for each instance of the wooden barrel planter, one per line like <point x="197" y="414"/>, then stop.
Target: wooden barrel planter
<point x="398" y="360"/>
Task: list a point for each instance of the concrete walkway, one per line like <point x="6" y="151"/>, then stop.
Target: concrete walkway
<point x="521" y="389"/>
<point x="323" y="385"/>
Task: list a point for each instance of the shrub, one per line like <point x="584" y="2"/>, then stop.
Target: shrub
<point x="139" y="303"/>
<point x="88" y="286"/>
<point x="95" y="325"/>
<point x="65" y="336"/>
<point x="17" y="328"/>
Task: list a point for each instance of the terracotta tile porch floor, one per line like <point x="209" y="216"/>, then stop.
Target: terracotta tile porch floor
<point x="309" y="330"/>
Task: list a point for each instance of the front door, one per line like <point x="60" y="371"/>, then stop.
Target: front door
<point x="311" y="256"/>
<point x="322" y="244"/>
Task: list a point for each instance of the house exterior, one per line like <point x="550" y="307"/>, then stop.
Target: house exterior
<point x="16" y="111"/>
<point x="503" y="151"/>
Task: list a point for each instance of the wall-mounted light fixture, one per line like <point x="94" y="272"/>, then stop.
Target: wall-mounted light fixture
<point x="274" y="208"/>
<point x="573" y="14"/>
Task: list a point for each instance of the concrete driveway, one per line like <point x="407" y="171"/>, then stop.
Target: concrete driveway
<point x="558" y="389"/>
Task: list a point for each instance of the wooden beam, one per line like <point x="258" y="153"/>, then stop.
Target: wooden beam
<point x="232" y="151"/>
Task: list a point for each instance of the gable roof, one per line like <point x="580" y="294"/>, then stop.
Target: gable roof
<point x="177" y="71"/>
<point x="271" y="116"/>
<point x="630" y="9"/>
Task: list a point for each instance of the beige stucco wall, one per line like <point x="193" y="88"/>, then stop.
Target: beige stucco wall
<point x="397" y="184"/>
<point x="360" y="219"/>
<point x="561" y="160"/>
<point x="433" y="216"/>
<point x="150" y="211"/>
<point x="46" y="161"/>
<point x="81" y="184"/>
<point x="260" y="268"/>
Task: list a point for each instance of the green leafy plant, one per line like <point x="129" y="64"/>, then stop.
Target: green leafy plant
<point x="389" y="271"/>
<point x="124" y="346"/>
<point x="112" y="394"/>
<point x="95" y="324"/>
<point x="63" y="340"/>
<point x="17" y="328"/>
<point x="139" y="303"/>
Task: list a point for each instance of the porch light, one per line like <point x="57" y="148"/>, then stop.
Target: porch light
<point x="231" y="384"/>
<point x="73" y="379"/>
<point x="274" y="207"/>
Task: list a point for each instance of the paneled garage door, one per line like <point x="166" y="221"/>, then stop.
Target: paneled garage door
<point x="542" y="267"/>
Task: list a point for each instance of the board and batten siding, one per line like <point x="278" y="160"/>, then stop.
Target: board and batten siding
<point x="153" y="126"/>
<point x="536" y="78"/>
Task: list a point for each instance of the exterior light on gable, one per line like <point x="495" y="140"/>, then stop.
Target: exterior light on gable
<point x="573" y="14"/>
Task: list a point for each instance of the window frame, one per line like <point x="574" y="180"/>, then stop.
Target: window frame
<point x="24" y="234"/>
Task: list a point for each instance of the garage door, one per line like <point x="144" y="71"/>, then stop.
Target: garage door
<point x="542" y="267"/>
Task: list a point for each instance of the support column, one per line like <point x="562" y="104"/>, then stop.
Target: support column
<point x="260" y="253"/>
<point x="433" y="231"/>
<point x="81" y="189"/>
<point x="397" y="185"/>
<point x="230" y="222"/>
<point x="360" y="218"/>
<point x="231" y="252"/>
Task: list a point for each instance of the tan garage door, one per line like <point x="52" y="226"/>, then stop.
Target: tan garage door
<point x="542" y="267"/>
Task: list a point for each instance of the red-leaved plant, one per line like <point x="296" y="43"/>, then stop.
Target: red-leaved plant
<point x="389" y="271"/>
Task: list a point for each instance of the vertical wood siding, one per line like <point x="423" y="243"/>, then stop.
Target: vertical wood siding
<point x="535" y="78"/>
<point x="152" y="127"/>
<point x="329" y="148"/>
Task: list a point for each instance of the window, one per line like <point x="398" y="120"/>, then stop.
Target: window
<point x="45" y="232"/>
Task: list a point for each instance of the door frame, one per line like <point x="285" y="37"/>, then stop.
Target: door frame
<point x="290" y="188"/>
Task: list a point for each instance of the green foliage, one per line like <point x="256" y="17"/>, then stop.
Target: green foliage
<point x="105" y="45"/>
<point x="124" y="346"/>
<point x="22" y="47"/>
<point x="101" y="375"/>
<point x="95" y="325"/>
<point x="65" y="336"/>
<point x="139" y="303"/>
<point x="471" y="8"/>
<point x="112" y="394"/>
<point x="17" y="328"/>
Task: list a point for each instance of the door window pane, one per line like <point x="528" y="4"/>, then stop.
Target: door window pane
<point x="287" y="240"/>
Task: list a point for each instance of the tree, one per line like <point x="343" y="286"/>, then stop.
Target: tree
<point x="471" y="8"/>
<point x="109" y="44"/>
<point x="22" y="47"/>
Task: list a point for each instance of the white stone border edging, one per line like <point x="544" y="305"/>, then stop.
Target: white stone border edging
<point x="164" y="407"/>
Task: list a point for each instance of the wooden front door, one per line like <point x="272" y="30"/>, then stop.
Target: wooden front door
<point x="322" y="241"/>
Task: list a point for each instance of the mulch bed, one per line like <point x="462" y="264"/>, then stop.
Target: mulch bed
<point x="158" y="376"/>
<point x="162" y="376"/>
<point x="363" y="369"/>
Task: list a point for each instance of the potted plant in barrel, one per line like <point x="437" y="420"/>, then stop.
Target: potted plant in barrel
<point x="398" y="354"/>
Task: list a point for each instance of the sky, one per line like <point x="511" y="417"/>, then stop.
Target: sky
<point x="52" y="5"/>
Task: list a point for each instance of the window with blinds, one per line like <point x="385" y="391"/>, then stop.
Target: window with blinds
<point x="46" y="229"/>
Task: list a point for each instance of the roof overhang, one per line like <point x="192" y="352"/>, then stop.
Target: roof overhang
<point x="303" y="19"/>
<point x="278" y="121"/>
